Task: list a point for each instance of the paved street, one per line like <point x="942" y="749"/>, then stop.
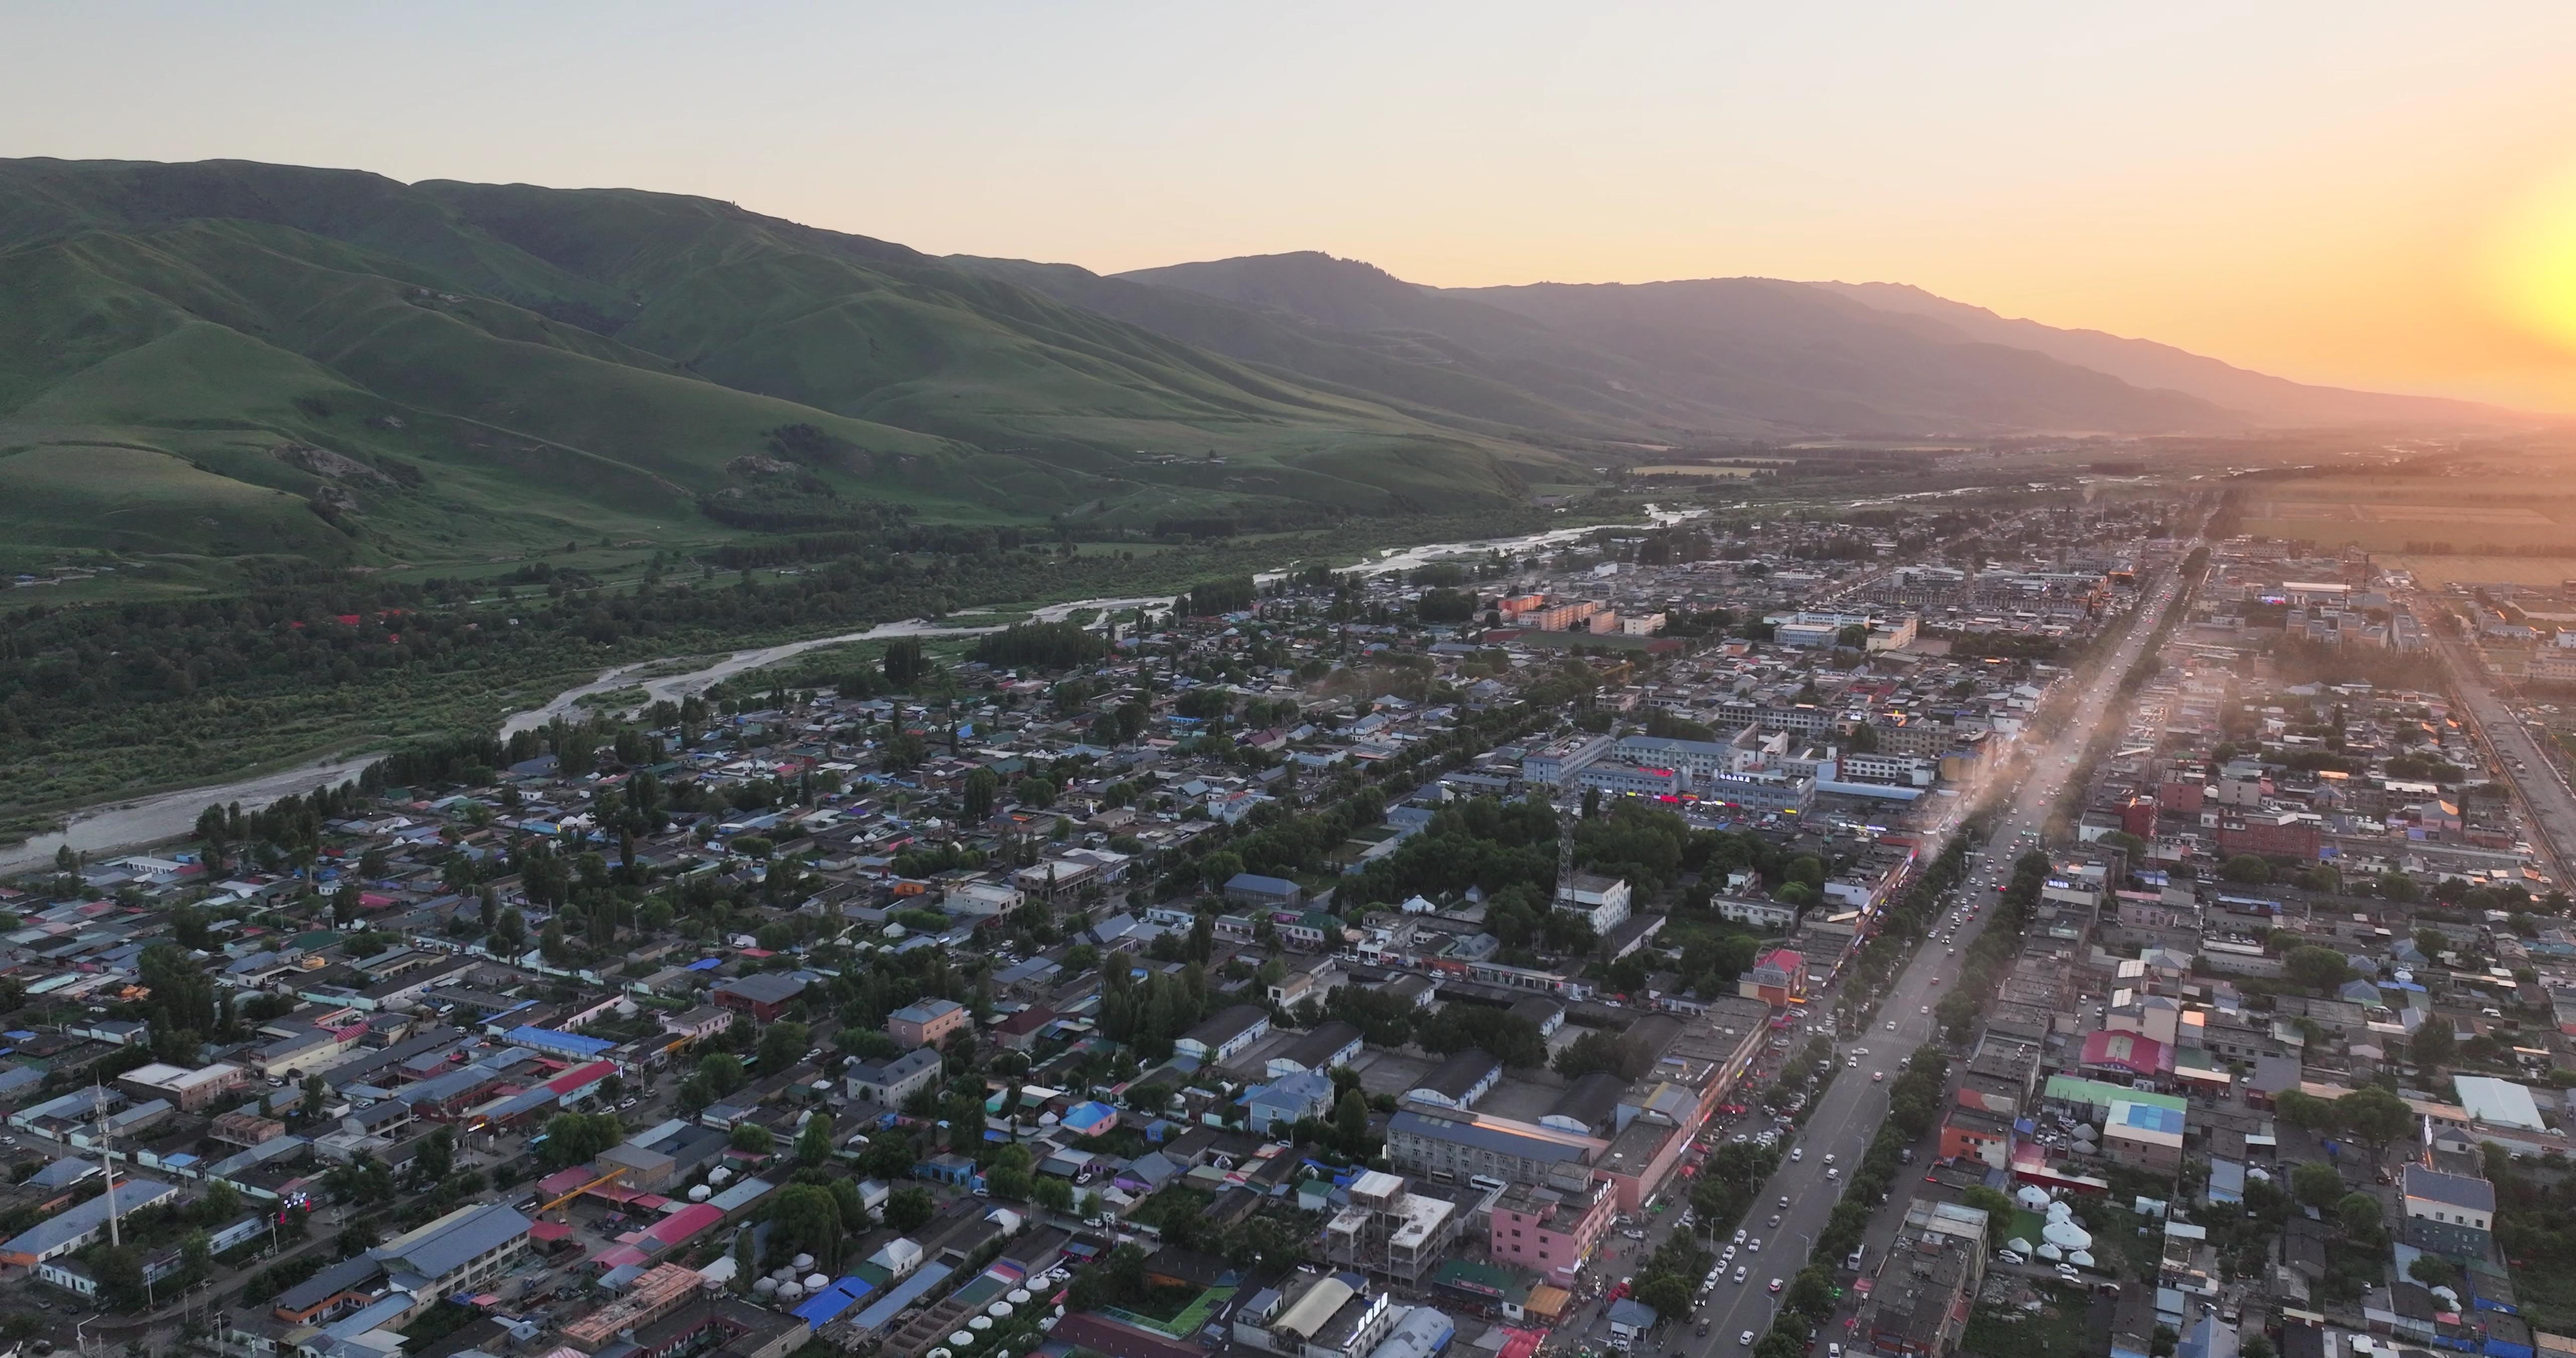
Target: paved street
<point x="2544" y="792"/>
<point x="1853" y="1106"/>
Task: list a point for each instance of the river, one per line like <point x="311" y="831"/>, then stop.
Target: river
<point x="171" y="815"/>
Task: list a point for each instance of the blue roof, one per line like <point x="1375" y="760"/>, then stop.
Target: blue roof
<point x="1268" y="886"/>
<point x="706" y="964"/>
<point x="905" y="1293"/>
<point x="549" y="1039"/>
<point x="2148" y="1117"/>
<point x="819" y="1309"/>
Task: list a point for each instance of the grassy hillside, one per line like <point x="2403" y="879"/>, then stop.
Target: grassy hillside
<point x="330" y="364"/>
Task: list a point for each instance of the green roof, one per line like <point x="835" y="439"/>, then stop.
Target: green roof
<point x="2072" y="1089"/>
<point x="1483" y="1280"/>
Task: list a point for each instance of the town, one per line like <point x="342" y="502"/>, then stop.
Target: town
<point x="2045" y="928"/>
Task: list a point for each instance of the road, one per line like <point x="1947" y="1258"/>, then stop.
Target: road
<point x="2534" y="776"/>
<point x="1854" y="1105"/>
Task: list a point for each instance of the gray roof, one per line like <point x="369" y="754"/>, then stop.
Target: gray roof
<point x="2455" y="1190"/>
<point x="896" y="1070"/>
<point x="445" y="1245"/>
<point x="1313" y="1050"/>
<point x="328" y="1283"/>
<point x="1467" y="1132"/>
<point x="1463" y="1071"/>
<point x="1228" y="1024"/>
<point x="74" y="1222"/>
<point x="764" y="987"/>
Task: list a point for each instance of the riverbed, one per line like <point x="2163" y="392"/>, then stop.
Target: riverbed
<point x="171" y="815"/>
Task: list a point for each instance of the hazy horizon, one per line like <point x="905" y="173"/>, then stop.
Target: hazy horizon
<point x="2366" y="196"/>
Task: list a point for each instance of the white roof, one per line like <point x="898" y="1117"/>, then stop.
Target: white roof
<point x="2499" y="1102"/>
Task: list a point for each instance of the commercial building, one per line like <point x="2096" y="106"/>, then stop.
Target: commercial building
<point x="1331" y="1043"/>
<point x="1452" y="1147"/>
<point x="1918" y="1304"/>
<point x="188" y="1090"/>
<point x="2451" y="1214"/>
<point x="1551" y="1232"/>
<point x="1459" y="1081"/>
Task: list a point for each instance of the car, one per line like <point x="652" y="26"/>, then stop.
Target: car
<point x="1702" y="1330"/>
<point x="1797" y="1153"/>
<point x="1633" y="1233"/>
<point x="1829" y="1157"/>
<point x="1741" y="1272"/>
<point x="1745" y="1339"/>
<point x="1784" y="1202"/>
<point x="1877" y="1076"/>
<point x="1833" y="1174"/>
<point x="1927" y="1009"/>
<point x="1753" y="1246"/>
<point x="1728" y="1257"/>
<point x="1891" y="1025"/>
<point x="1739" y="1237"/>
<point x="2069" y="1272"/>
<point x="1852" y="1063"/>
<point x="1775" y="1218"/>
<point x="1775" y="1285"/>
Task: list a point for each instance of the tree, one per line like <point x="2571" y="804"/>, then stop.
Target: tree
<point x="316" y="1091"/>
<point x="2361" y="1219"/>
<point x="2317" y="968"/>
<point x="576" y="1138"/>
<point x="1811" y="1293"/>
<point x="1997" y="1207"/>
<point x="2303" y="1110"/>
<point x="814" y="1143"/>
<point x="511" y="934"/>
<point x="2247" y="868"/>
<point x="2433" y="1270"/>
<point x="2375" y="1116"/>
<point x="977" y="795"/>
<point x="781" y="1045"/>
<point x="437" y="1157"/>
<point x="1351" y="1123"/>
<point x="723" y="1073"/>
<point x="1668" y="1294"/>
<point x="2316" y="1183"/>
<point x="806" y="1219"/>
<point x="2434" y="1046"/>
<point x="751" y="1138"/>
<point x="909" y="1208"/>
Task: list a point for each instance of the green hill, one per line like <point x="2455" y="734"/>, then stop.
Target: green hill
<point x="225" y="360"/>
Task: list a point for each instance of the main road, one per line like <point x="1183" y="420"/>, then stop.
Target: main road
<point x="1855" y="1103"/>
<point x="2516" y="753"/>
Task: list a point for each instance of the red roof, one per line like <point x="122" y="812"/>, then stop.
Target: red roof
<point x="582" y="1077"/>
<point x="2135" y="1053"/>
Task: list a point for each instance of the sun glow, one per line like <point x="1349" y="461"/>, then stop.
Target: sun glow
<point x="2530" y="273"/>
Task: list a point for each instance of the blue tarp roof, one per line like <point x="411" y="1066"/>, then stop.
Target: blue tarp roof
<point x="905" y="1293"/>
<point x="821" y="1308"/>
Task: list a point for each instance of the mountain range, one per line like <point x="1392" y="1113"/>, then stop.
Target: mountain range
<point x="230" y="360"/>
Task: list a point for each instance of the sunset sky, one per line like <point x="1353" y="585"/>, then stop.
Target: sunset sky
<point x="2373" y="195"/>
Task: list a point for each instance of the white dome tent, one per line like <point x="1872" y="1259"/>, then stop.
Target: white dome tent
<point x="2066" y="1235"/>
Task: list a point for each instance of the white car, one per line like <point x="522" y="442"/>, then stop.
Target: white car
<point x="1833" y="1174"/>
<point x="1745" y="1339"/>
<point x="1739" y="1237"/>
<point x="1891" y="1025"/>
<point x="1741" y="1272"/>
<point x="1797" y="1153"/>
<point x="1753" y="1246"/>
<point x="1829" y="1157"/>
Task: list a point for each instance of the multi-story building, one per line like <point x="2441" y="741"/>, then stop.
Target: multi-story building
<point x="1603" y="901"/>
<point x="927" y="1023"/>
<point x="1551" y="764"/>
<point x="889" y="1083"/>
<point x="1926" y="1283"/>
<point x="2451" y="1214"/>
<point x="1451" y="1146"/>
<point x="1622" y="779"/>
<point x="1548" y="1232"/>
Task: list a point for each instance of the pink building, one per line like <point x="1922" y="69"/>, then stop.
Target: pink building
<point x="1549" y="1232"/>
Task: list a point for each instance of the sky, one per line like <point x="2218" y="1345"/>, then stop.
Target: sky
<point x="2365" y="194"/>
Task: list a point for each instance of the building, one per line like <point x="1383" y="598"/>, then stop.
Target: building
<point x="763" y="995"/>
<point x="1776" y="791"/>
<point x="1332" y="1043"/>
<point x="2451" y="1214"/>
<point x="927" y="1023"/>
<point x="1229" y="1031"/>
<point x="1778" y="978"/>
<point x="1263" y="893"/>
<point x="1553" y="764"/>
<point x="188" y="1090"/>
<point x="1459" y="1081"/>
<point x="76" y="1226"/>
<point x="1452" y="1147"/>
<point x="1549" y="1232"/>
<point x="2143" y="1136"/>
<point x="1603" y="901"/>
<point x="1622" y="779"/>
<point x="1918" y="1304"/>
<point x="1392" y="1230"/>
<point x="890" y="1084"/>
